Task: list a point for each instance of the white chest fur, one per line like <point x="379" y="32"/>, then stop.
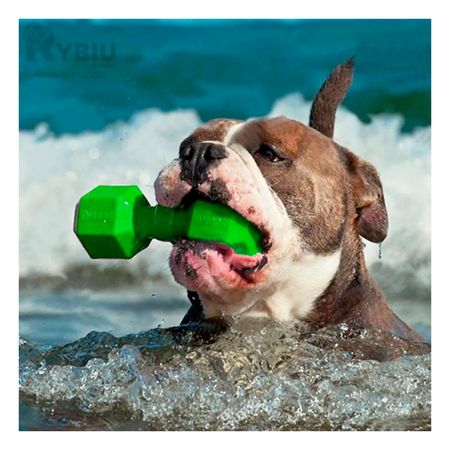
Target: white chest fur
<point x="306" y="280"/>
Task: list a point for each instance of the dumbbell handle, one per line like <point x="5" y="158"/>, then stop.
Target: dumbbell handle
<point x="159" y="222"/>
<point x="202" y="221"/>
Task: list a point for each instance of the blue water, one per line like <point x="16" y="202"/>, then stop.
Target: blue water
<point x="85" y="74"/>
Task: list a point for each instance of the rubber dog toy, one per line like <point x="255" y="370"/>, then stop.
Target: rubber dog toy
<point x="118" y="222"/>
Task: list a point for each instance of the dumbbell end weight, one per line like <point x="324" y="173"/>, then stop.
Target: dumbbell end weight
<point x="107" y="222"/>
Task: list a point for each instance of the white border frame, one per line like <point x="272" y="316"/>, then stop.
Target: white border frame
<point x="231" y="9"/>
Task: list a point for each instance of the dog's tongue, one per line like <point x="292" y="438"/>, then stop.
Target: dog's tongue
<point x="238" y="262"/>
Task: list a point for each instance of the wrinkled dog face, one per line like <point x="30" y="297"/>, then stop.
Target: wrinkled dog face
<point x="304" y="192"/>
<point x="287" y="179"/>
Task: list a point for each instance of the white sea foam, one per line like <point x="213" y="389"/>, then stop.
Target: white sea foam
<point x="56" y="170"/>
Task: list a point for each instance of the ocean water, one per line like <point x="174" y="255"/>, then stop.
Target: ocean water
<point x="85" y="122"/>
<point x="83" y="75"/>
<point x="250" y="375"/>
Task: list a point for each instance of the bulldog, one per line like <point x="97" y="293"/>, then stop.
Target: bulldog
<point x="311" y="198"/>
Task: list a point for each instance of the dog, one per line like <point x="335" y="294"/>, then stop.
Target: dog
<point x="311" y="198"/>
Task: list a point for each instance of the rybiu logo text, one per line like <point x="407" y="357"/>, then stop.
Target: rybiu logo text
<point x="40" y="43"/>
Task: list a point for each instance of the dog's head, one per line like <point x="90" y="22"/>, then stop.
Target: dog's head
<point x="301" y="189"/>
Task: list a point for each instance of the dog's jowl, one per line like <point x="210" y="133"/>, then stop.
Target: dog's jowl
<point x="312" y="199"/>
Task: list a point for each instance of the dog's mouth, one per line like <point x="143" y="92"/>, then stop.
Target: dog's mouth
<point x="198" y="263"/>
<point x="198" y="257"/>
<point x="194" y="195"/>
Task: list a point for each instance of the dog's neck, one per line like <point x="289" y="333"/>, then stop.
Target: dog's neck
<point x="348" y="294"/>
<point x="353" y="296"/>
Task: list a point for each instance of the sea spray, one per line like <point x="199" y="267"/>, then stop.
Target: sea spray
<point x="254" y="375"/>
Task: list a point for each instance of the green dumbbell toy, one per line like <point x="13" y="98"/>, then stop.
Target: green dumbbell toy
<point x="118" y="222"/>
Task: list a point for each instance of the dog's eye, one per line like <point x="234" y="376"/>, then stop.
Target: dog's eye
<point x="268" y="153"/>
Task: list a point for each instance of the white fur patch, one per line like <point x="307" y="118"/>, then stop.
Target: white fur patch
<point x="306" y="280"/>
<point x="231" y="132"/>
<point x="212" y="142"/>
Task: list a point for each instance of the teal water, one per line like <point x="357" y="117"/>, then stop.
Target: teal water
<point x="94" y="72"/>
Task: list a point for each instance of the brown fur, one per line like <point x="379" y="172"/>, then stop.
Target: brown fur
<point x="312" y="167"/>
<point x="214" y="130"/>
<point x="330" y="95"/>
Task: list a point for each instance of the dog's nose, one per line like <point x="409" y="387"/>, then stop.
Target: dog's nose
<point x="198" y="158"/>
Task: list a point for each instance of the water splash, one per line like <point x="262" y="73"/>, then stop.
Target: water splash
<point x="252" y="375"/>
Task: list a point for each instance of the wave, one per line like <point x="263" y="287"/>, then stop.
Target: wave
<point x="252" y="375"/>
<point x="56" y="170"/>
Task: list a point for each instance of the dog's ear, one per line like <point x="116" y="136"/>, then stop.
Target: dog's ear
<point x="371" y="215"/>
<point x="330" y="95"/>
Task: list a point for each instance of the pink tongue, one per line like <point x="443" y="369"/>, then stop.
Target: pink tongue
<point x="232" y="258"/>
